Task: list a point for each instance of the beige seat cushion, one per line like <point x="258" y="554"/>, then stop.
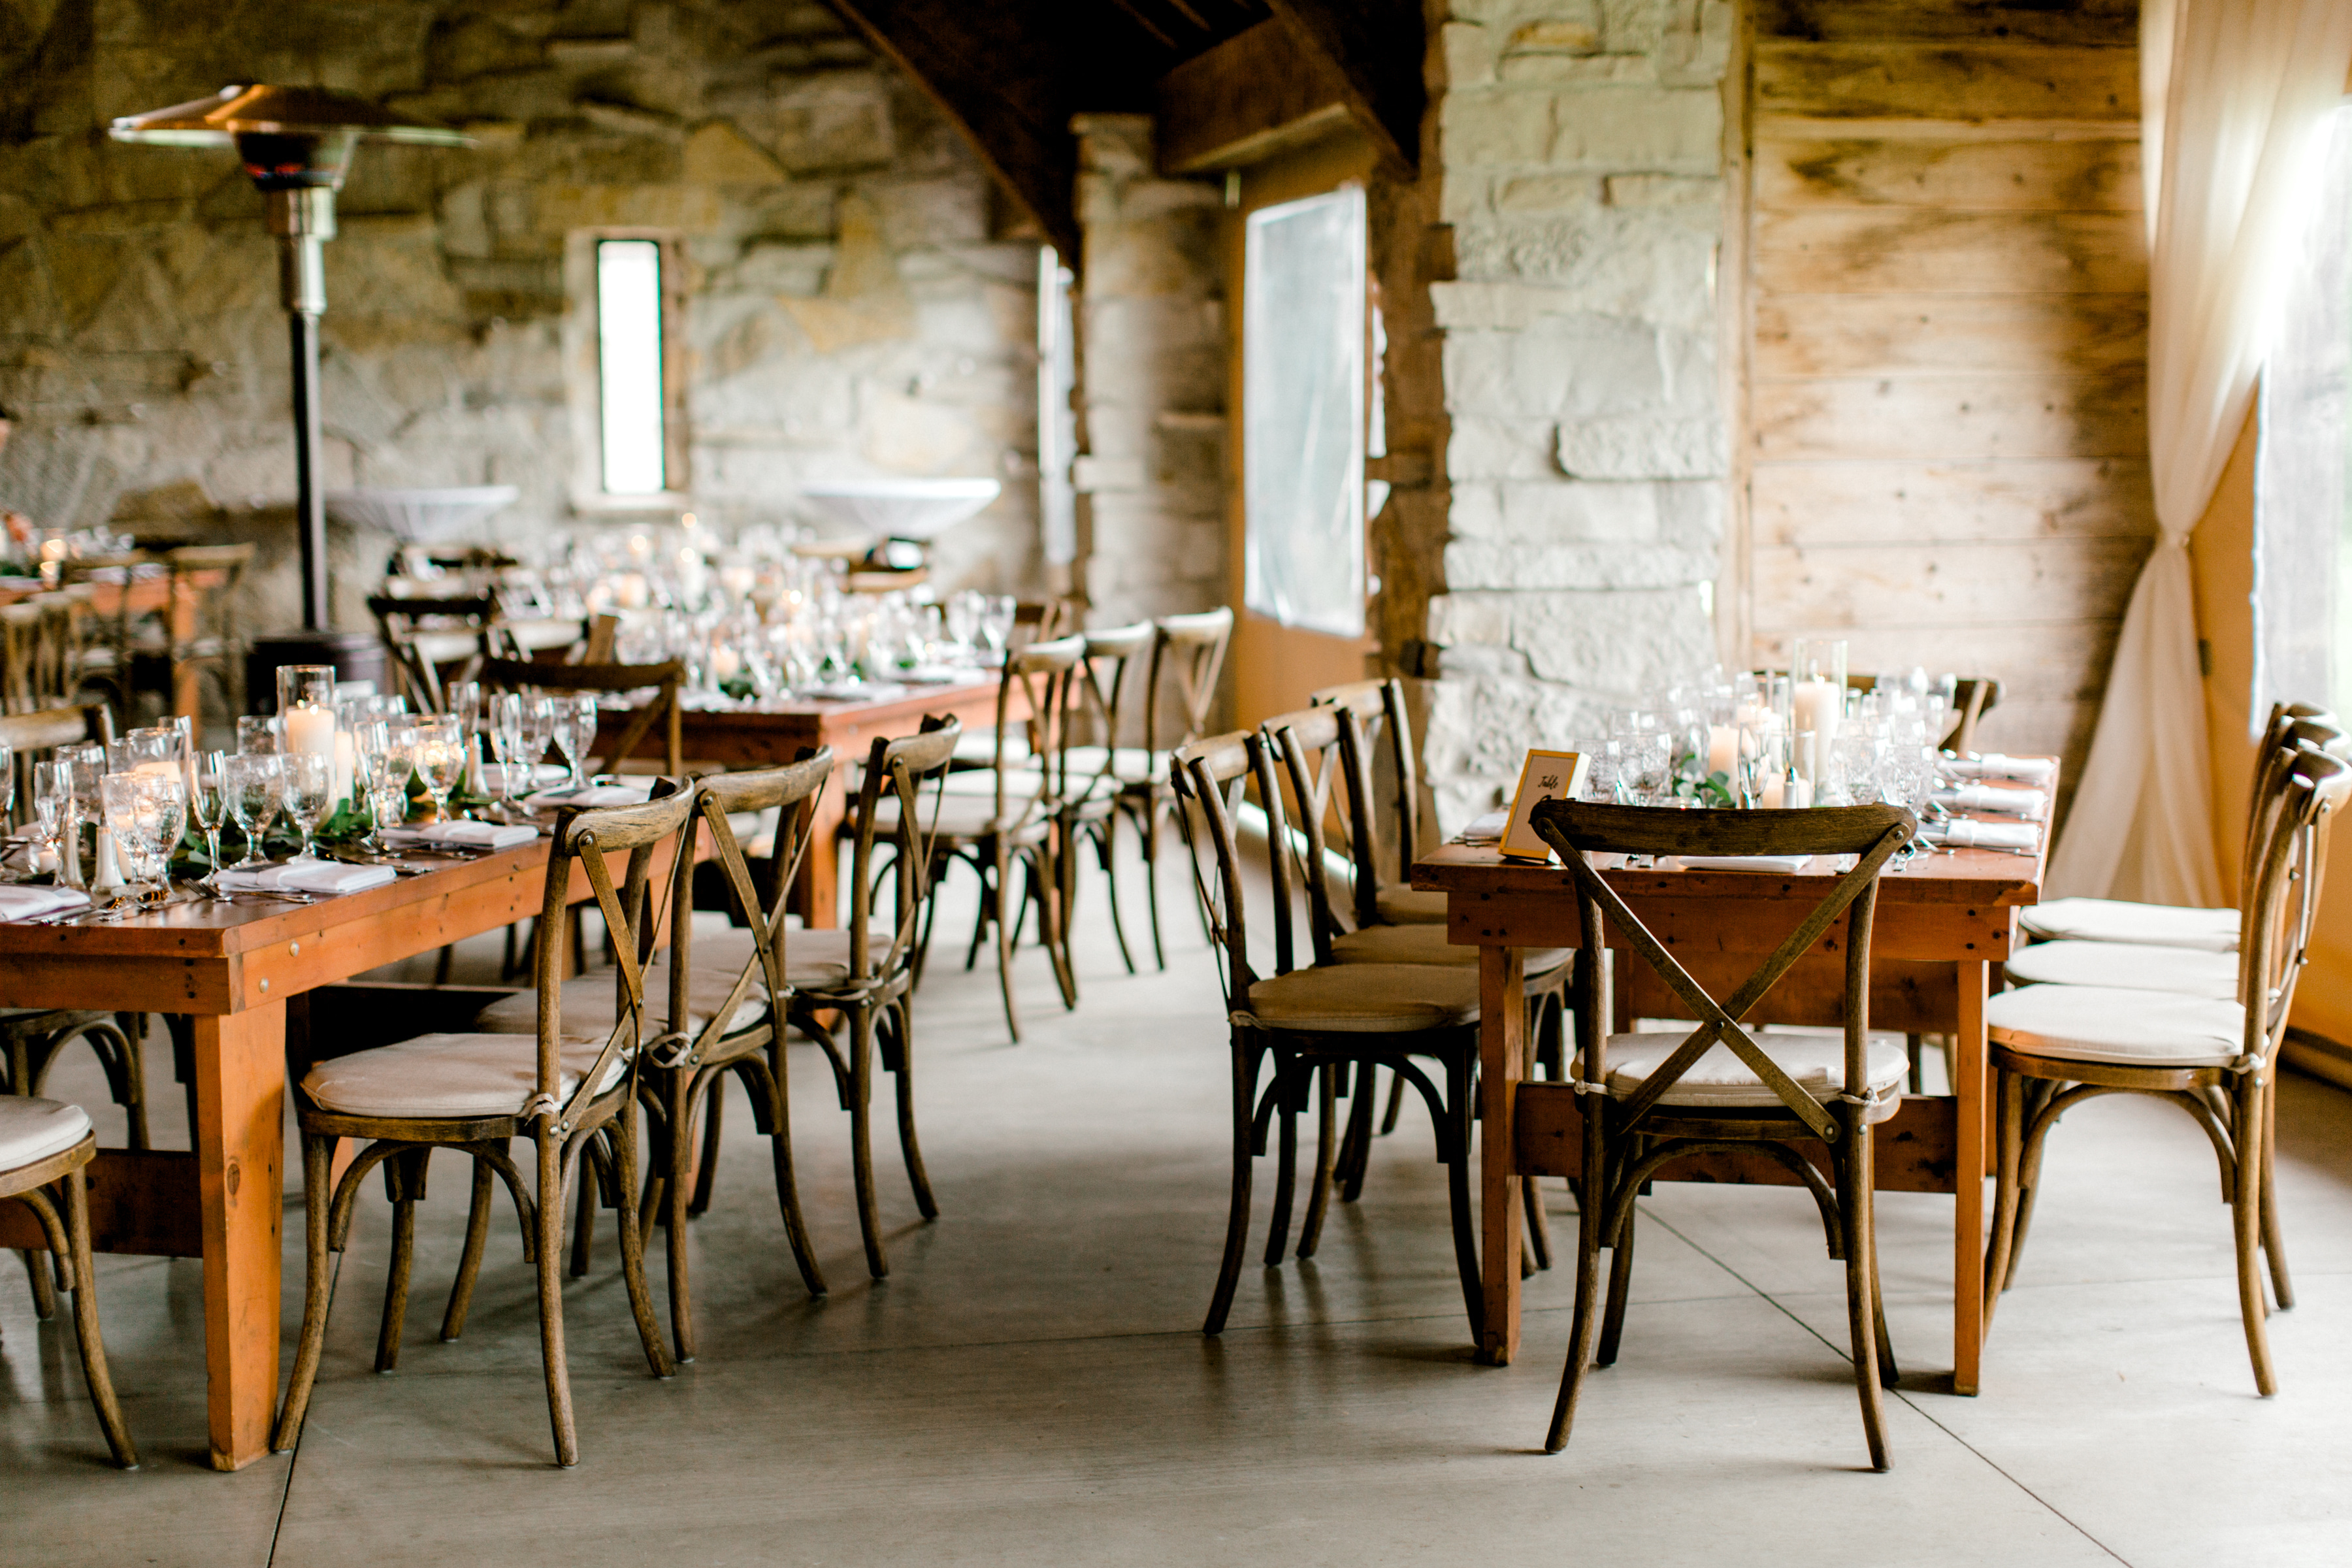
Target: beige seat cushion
<point x="592" y="1003"/>
<point x="1815" y="1061"/>
<point x="2135" y="966"/>
<point x="2119" y="920"/>
<point x="448" y="1076"/>
<point x="1371" y="999"/>
<point x="1130" y="764"/>
<point x="1427" y="944"/>
<point x="1401" y="906"/>
<point x="815" y="959"/>
<point x="2110" y="1023"/>
<point x="33" y="1129"/>
<point x="960" y="815"/>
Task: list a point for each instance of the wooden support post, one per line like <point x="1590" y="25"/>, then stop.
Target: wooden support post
<point x="1968" y="1084"/>
<point x="240" y="1151"/>
<point x="1502" y="1051"/>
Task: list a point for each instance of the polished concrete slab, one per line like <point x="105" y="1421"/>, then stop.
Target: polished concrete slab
<point x="1030" y="1384"/>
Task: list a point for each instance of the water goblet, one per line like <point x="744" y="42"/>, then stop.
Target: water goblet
<point x="310" y="791"/>
<point x="438" y="754"/>
<point x="208" y="806"/>
<point x="257" y="735"/>
<point x="255" y="784"/>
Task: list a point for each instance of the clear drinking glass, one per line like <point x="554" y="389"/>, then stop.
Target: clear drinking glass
<point x="255" y="785"/>
<point x="538" y="731"/>
<point x="564" y="732"/>
<point x="257" y="735"/>
<point x="585" y="709"/>
<point x="208" y="807"/>
<point x="464" y="698"/>
<point x="309" y="786"/>
<point x="439" y="756"/>
<point x="52" y="798"/>
<point x="7" y="783"/>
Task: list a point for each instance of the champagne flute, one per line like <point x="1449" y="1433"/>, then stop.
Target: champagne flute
<point x="309" y="786"/>
<point x="439" y="756"/>
<point x="583" y="733"/>
<point x="52" y="799"/>
<point x="255" y="782"/>
<point x="538" y="731"/>
<point x="562" y="729"/>
<point x="208" y="804"/>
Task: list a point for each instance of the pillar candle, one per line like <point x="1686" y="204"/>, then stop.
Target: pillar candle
<point x="309" y="729"/>
<point x="724" y="662"/>
<point x="1768" y="792"/>
<point x="1819" y="707"/>
<point x="1722" y="749"/>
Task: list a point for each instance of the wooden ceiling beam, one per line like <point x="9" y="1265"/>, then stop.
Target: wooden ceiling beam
<point x="1377" y="46"/>
<point x="1246" y="100"/>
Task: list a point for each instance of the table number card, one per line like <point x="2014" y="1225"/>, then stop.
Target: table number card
<point x="1545" y="775"/>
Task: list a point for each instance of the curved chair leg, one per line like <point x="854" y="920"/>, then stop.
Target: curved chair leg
<point x="1592" y="1201"/>
<point x="2246" y="1227"/>
<point x="2010" y="1095"/>
<point x="1539" y="1223"/>
<point x="1461" y="1115"/>
<point x="2273" y="1237"/>
<point x="583" y="1225"/>
<point x="86" y="1335"/>
<point x="1148" y="832"/>
<point x="679" y="1097"/>
<point x="1855" y="1207"/>
<point x="1396" y="1105"/>
<point x="1621" y="1284"/>
<point x="897" y="1025"/>
<point x="1246" y="1058"/>
<point x="861" y="1138"/>
<point x="317" y="1197"/>
<point x="1004" y="938"/>
<point x="550" y="1252"/>
<point x="788" y="1192"/>
<point x="706" y="1172"/>
<point x="1106" y="837"/>
<point x="1356" y="1143"/>
<point x="1319" y="1196"/>
<point x="1286" y="1164"/>
<point x="469" y="1262"/>
<point x="39" y="1269"/>
<point x="405" y="1173"/>
<point x="2029" y="1173"/>
<point x="623" y="1129"/>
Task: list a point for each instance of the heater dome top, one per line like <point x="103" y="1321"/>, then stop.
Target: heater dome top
<point x="218" y="120"/>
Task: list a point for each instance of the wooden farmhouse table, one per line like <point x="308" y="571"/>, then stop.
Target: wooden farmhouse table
<point x="765" y="733"/>
<point x="1943" y="924"/>
<point x="233" y="968"/>
<point x="148" y="594"/>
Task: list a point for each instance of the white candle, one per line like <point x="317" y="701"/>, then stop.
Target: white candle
<point x="692" y="575"/>
<point x="1722" y="749"/>
<point x="724" y="662"/>
<point x="1768" y="792"/>
<point x="1819" y="707"/>
<point x="629" y="591"/>
<point x="311" y="729"/>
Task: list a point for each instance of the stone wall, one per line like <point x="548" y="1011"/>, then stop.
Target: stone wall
<point x="1152" y="375"/>
<point x="853" y="304"/>
<point x="1579" y="151"/>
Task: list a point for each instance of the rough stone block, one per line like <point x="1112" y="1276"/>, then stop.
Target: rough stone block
<point x="1469" y="51"/>
<point x="1573" y="70"/>
<point x="1648" y="264"/>
<point x="1662" y="191"/>
<point x="1478" y="565"/>
<point x="1547" y="194"/>
<point x="1667" y="130"/>
<point x="1581" y="366"/>
<point x="1482" y="448"/>
<point x="1496" y="126"/>
<point x="1645" y="447"/>
<point x="1570" y="512"/>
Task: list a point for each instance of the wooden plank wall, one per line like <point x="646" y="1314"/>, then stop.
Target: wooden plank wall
<point x="1947" y="452"/>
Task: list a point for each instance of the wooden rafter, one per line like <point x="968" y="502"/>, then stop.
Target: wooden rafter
<point x="1377" y="45"/>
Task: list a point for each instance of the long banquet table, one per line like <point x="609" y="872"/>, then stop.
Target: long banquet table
<point x="1944" y="923"/>
<point x="234" y="968"/>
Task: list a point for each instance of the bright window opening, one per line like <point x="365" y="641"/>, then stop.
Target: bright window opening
<point x="629" y="366"/>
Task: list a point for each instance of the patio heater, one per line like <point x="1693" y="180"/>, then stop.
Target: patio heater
<point x="296" y="144"/>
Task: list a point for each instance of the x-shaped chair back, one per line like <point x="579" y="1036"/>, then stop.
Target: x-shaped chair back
<point x="398" y="620"/>
<point x="2283" y="891"/>
<point x="1870" y="833"/>
<point x="1211" y="777"/>
<point x="1043" y="678"/>
<point x="1104" y="687"/>
<point x="663" y="680"/>
<point x="587" y="838"/>
<point x="905" y="769"/>
<point x="1188" y="652"/>
<point x="1381" y="728"/>
<point x="1311" y="743"/>
<point x="792" y="792"/>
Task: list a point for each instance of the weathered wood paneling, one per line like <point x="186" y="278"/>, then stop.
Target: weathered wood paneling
<point x="1879" y="250"/>
<point x="1947" y="80"/>
<point x="2057" y="664"/>
<point x="1941" y="419"/>
<point x="1900" y="335"/>
<point x="1952" y="585"/>
<point x="2018" y="176"/>
<point x="2111" y="24"/>
<point x="1916" y="503"/>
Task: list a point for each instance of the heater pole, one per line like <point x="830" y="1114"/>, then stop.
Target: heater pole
<point x="303" y="220"/>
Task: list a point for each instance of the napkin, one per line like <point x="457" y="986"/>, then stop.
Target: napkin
<point x="939" y="674"/>
<point x="1993" y="766"/>
<point x="1984" y="834"/>
<point x="854" y="691"/>
<point x="474" y="835"/>
<point x="1487" y="829"/>
<point x="2029" y="804"/>
<point x="25" y="903"/>
<point x="593" y="794"/>
<point x="309" y="877"/>
<point x="1784" y="864"/>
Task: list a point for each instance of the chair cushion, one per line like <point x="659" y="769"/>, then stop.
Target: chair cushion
<point x="1427" y="944"/>
<point x="33" y="1129"/>
<point x="448" y="1075"/>
<point x="1402" y="906"/>
<point x="2111" y="1024"/>
<point x="815" y="959"/>
<point x="976" y="747"/>
<point x="2135" y="966"/>
<point x="1815" y="1061"/>
<point x="2119" y="920"/>
<point x="960" y="815"/>
<point x="1127" y="763"/>
<point x="1366" y="998"/>
<point x="591" y="1002"/>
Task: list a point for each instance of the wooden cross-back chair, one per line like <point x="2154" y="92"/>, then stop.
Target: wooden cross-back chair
<point x="1179" y="692"/>
<point x="427" y="637"/>
<point x="852" y="986"/>
<point x="105" y="636"/>
<point x="1385" y="779"/>
<point x="195" y="635"/>
<point x="474" y="1093"/>
<point x="45" y="1146"/>
<point x="1328" y="1022"/>
<point x="663" y="680"/>
<point x="2056" y="1045"/>
<point x="1009" y="817"/>
<point x="1649" y="1100"/>
<point x="1101" y="769"/>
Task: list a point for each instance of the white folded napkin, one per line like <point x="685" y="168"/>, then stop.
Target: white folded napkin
<point x="25" y="903"/>
<point x="309" y="877"/>
<point x="2029" y="804"/>
<point x="474" y="835"/>
<point x="1783" y="865"/>
<point x="1487" y="829"/>
<point x="939" y="674"/>
<point x="854" y="691"/>
<point x="1993" y="766"/>
<point x="593" y="794"/>
<point x="1984" y="834"/>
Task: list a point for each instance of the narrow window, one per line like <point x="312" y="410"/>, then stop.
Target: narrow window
<point x="631" y="396"/>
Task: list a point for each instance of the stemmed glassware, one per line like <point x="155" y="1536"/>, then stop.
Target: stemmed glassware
<point x="438" y="754"/>
<point x="564" y="732"/>
<point x="145" y="814"/>
<point x="537" y="732"/>
<point x="53" y="804"/>
<point x="584" y="734"/>
<point x="309" y="786"/>
<point x="208" y="806"/>
<point x="256" y="783"/>
<point x="385" y="763"/>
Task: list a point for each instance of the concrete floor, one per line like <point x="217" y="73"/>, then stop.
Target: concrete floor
<point x="1030" y="1385"/>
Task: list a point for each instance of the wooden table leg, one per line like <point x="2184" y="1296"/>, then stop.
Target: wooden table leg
<point x="1502" y="1051"/>
<point x="240" y="1153"/>
<point x="1968" y="1078"/>
<point x="818" y="896"/>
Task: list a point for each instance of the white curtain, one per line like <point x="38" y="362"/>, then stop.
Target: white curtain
<point x="2235" y="97"/>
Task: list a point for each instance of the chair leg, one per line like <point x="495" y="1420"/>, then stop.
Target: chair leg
<point x="2010" y="1095"/>
<point x="861" y="1138"/>
<point x="317" y="1197"/>
<point x="1106" y="842"/>
<point x="1285" y="1167"/>
<point x="406" y="1174"/>
<point x="2273" y="1237"/>
<point x="469" y="1262"/>
<point x="1463" y="1114"/>
<point x="584" y="1224"/>
<point x="1539" y="1224"/>
<point x="1319" y="1196"/>
<point x="38" y="1269"/>
<point x="2245" y="1216"/>
<point x="2029" y="1173"/>
<point x="1246" y="1057"/>
<point x="1913" y="1044"/>
<point x="85" y="1334"/>
<point x="1356" y="1144"/>
<point x="448" y="955"/>
<point x="678" y="1095"/>
<point x="1396" y="1105"/>
<point x="1149" y="833"/>
<point x="550" y="1254"/>
<point x="1592" y="1199"/>
<point x="705" y="1173"/>
<point x="1855" y="1205"/>
<point x="1621" y="1284"/>
<point x="1005" y="934"/>
<point x="788" y="1192"/>
<point x="623" y="1131"/>
<point x="897" y="1025"/>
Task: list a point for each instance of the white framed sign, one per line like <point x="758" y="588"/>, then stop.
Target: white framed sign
<point x="1545" y="775"/>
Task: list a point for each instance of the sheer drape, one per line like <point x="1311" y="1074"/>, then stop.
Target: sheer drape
<point x="2235" y="96"/>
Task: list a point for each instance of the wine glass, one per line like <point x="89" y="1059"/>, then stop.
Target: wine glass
<point x="164" y="820"/>
<point x="538" y="731"/>
<point x="255" y="784"/>
<point x="585" y="709"/>
<point x="464" y="699"/>
<point x="208" y="805"/>
<point x="563" y="730"/>
<point x="439" y="755"/>
<point x="309" y="789"/>
<point x="257" y="735"/>
<point x="52" y="800"/>
<point x="389" y="765"/>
